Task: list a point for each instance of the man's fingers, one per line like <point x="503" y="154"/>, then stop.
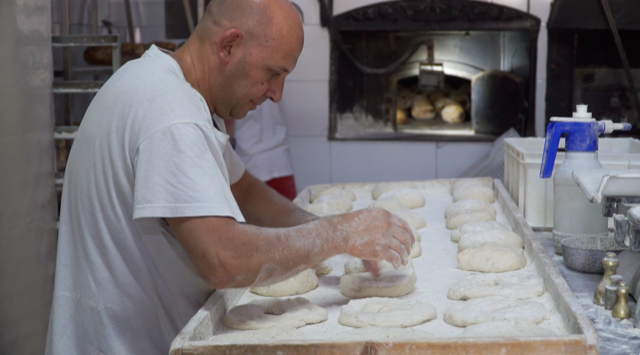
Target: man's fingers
<point x="405" y="226"/>
<point x="403" y="237"/>
<point x="398" y="252"/>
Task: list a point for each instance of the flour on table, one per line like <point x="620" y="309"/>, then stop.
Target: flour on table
<point x="474" y="227"/>
<point x="455" y="221"/>
<point x="275" y="334"/>
<point x="390" y="283"/>
<point x="468" y="206"/>
<point x="299" y="284"/>
<point x="274" y="312"/>
<point x="382" y="334"/>
<point x="414" y="220"/>
<point x="508" y="285"/>
<point x="412" y="198"/>
<point x="383" y="187"/>
<point x="474" y="193"/>
<point x="390" y="204"/>
<point x="385" y="313"/>
<point x="332" y="190"/>
<point x="322" y="268"/>
<point x="486" y="309"/>
<point x="475" y="240"/>
<point x="503" y="328"/>
<point x="491" y="257"/>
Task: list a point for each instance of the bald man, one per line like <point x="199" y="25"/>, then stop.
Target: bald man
<point x="158" y="211"/>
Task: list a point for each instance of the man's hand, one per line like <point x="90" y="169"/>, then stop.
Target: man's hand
<point x="375" y="234"/>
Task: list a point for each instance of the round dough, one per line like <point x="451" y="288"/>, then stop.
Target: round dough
<point x="297" y="285"/>
<point x="385" y="313"/>
<point x="383" y="187"/>
<point x="390" y="204"/>
<point x="456" y="221"/>
<point x="485" y="285"/>
<point x="474" y="193"/>
<point x="412" y="198"/>
<point x="332" y="190"/>
<point x="468" y="206"/>
<point x="506" y="328"/>
<point x="274" y="312"/>
<point x="474" y="240"/>
<point x="258" y="336"/>
<point x="361" y="190"/>
<point x="491" y="258"/>
<point x="324" y="209"/>
<point x="416" y="250"/>
<point x="475" y="227"/>
<point x="452" y="112"/>
<point x="469" y="182"/>
<point x="416" y="222"/>
<point x="488" y="309"/>
<point x="340" y="202"/>
<point x="322" y="268"/>
<point x="390" y="283"/>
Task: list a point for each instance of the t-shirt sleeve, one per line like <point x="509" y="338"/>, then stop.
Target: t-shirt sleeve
<point x="235" y="164"/>
<point x="181" y="171"/>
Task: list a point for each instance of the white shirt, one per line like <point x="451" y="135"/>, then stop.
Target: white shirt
<point x="261" y="142"/>
<point x="147" y="149"/>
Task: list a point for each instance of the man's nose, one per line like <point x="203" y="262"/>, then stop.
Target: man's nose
<point x="275" y="89"/>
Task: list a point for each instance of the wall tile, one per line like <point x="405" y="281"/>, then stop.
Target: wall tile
<point x="540" y="8"/>
<point x="305" y="108"/>
<point x="522" y="5"/>
<point x="311" y="161"/>
<point x="541" y="99"/>
<point x="313" y="63"/>
<point x="541" y="70"/>
<point x="382" y="161"/>
<point x="453" y="158"/>
<point x="310" y="10"/>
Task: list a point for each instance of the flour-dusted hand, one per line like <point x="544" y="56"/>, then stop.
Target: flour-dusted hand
<point x="375" y="234"/>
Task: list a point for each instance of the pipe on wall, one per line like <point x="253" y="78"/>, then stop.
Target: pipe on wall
<point x="27" y="192"/>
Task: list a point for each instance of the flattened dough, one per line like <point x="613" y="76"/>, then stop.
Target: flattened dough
<point x="332" y="190"/>
<point x="474" y="193"/>
<point x="456" y="221"/>
<point x="355" y="266"/>
<point x="474" y="227"/>
<point x="415" y="221"/>
<point x="468" y="206"/>
<point x="390" y="204"/>
<point x="491" y="258"/>
<point x="297" y="285"/>
<point x="486" y="285"/>
<point x="258" y="336"/>
<point x="322" y="268"/>
<point x="383" y="187"/>
<point x="385" y="313"/>
<point x="475" y="240"/>
<point x="274" y="312"/>
<point x="390" y="283"/>
<point x="412" y="198"/>
<point x="486" y="309"/>
<point x="505" y="328"/>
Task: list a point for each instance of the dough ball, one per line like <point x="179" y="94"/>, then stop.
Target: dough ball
<point x="340" y="202"/>
<point x="475" y="227"/>
<point x="422" y="109"/>
<point x="385" y="313"/>
<point x="412" y="198"/>
<point x="456" y="221"/>
<point x="274" y="312"/>
<point x="491" y="258"/>
<point x="416" y="250"/>
<point x="361" y="190"/>
<point x="332" y="190"/>
<point x="486" y="285"/>
<point x="474" y="193"/>
<point x="461" y="98"/>
<point x="415" y="221"/>
<point x="273" y="334"/>
<point x="390" y="283"/>
<point x="470" y="182"/>
<point x="324" y="209"/>
<point x="355" y="266"/>
<point x="390" y="204"/>
<point x="383" y="187"/>
<point x="322" y="268"/>
<point x="486" y="309"/>
<point x="297" y="285"/>
<point x="452" y="112"/>
<point x="474" y="240"/>
<point x="506" y="328"/>
<point x="468" y="206"/>
<point x="401" y="117"/>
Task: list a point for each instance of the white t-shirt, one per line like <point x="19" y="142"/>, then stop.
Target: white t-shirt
<point x="147" y="149"/>
<point x="261" y="142"/>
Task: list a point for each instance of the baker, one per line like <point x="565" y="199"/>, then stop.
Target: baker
<point x="158" y="211"/>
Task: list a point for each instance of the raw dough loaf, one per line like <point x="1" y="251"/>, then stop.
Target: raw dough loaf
<point x="452" y="112"/>
<point x="416" y="222"/>
<point x="485" y="285"/>
<point x="474" y="240"/>
<point x="401" y="117"/>
<point x="491" y="258"/>
<point x="416" y="250"/>
<point x="456" y="221"/>
<point x="469" y="182"/>
<point x="323" y="209"/>
<point x="355" y="266"/>
<point x="474" y="193"/>
<point x="391" y="283"/>
<point x="385" y="313"/>
<point x="422" y="109"/>
<point x="488" y="309"/>
<point x="297" y="285"/>
<point x="258" y="336"/>
<point x="380" y="334"/>
<point x="475" y="227"/>
<point x="383" y="187"/>
<point x="505" y="328"/>
<point x="341" y="202"/>
<point x="274" y="312"/>
<point x="322" y="268"/>
<point x="412" y="198"/>
<point x="468" y="206"/>
<point x="390" y="204"/>
<point x="332" y="190"/>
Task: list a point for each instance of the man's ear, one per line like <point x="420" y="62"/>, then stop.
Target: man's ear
<point x="228" y="42"/>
